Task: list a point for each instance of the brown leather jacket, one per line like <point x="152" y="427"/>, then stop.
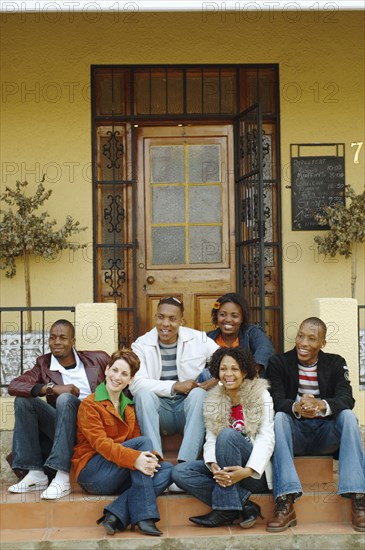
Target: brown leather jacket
<point x="94" y="362"/>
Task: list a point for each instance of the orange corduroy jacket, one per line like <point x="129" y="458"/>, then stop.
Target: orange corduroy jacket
<point x="101" y="430"/>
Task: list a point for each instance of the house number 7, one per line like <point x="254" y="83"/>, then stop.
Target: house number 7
<point x="357" y="144"/>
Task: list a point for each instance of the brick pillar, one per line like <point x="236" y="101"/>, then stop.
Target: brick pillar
<point x="96" y="327"/>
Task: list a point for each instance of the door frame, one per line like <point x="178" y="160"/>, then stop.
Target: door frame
<point x="114" y="192"/>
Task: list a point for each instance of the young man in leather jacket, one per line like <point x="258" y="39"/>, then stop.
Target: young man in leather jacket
<point x="45" y="430"/>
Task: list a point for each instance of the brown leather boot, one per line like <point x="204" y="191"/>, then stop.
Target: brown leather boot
<point x="358" y="511"/>
<point x="284" y="515"/>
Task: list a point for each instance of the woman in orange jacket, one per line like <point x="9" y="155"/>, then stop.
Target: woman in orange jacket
<point x="111" y="456"/>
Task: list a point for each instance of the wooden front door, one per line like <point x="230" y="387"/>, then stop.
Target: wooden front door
<point x="185" y="220"/>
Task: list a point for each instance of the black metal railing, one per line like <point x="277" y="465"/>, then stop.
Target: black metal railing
<point x="20" y="343"/>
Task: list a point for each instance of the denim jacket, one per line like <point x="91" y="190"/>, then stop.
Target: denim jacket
<point x="253" y="338"/>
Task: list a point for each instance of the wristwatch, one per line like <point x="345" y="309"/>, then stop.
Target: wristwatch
<point x="49" y="388"/>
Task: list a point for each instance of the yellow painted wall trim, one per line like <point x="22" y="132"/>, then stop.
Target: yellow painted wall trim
<point x="340" y="316"/>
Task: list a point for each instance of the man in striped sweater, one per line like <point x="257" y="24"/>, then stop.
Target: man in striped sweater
<point x="168" y="396"/>
<point x="313" y="404"/>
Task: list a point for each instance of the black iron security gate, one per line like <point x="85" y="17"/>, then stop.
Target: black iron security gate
<point x="125" y="97"/>
<point x="258" y="258"/>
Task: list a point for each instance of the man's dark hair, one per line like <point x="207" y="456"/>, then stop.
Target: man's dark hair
<point x="172" y="301"/>
<point x="317" y="322"/>
<point x="65" y="323"/>
<point x="243" y="357"/>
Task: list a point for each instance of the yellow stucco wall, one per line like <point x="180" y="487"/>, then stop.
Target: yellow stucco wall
<point x="46" y="117"/>
<point x="342" y="339"/>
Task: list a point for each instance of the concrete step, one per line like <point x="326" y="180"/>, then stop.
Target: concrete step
<point x="27" y="522"/>
<point x="324" y="521"/>
<point x="80" y="509"/>
<point x="319" y="536"/>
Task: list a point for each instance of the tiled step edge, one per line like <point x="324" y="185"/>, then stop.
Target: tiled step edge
<point x="174" y="510"/>
<point x="344" y="538"/>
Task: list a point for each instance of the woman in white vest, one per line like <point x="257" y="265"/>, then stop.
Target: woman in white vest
<point x="239" y="443"/>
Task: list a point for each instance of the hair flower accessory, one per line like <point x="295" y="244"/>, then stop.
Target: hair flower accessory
<point x="216" y="305"/>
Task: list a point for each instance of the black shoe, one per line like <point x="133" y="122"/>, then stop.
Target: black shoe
<point x="250" y="511"/>
<point x="110" y="523"/>
<point x="147" y="527"/>
<point x="215" y="518"/>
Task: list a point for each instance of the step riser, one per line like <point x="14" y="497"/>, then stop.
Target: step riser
<point x="174" y="510"/>
<point x="324" y="521"/>
<point x="319" y="503"/>
<point x="314" y="469"/>
<point x="309" y="469"/>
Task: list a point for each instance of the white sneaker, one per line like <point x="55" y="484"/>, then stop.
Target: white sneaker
<point x="57" y="490"/>
<point x="27" y="485"/>
<point x="175" y="489"/>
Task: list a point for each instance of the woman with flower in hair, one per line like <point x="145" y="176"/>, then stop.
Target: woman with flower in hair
<point x="239" y="443"/>
<point x="231" y="315"/>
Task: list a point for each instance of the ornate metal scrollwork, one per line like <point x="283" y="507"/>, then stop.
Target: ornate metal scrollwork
<point x="246" y="210"/>
<point x="113" y="149"/>
<point x="244" y="276"/>
<point x="267" y="216"/>
<point x="249" y="148"/>
<point x="256" y="272"/>
<point x="267" y="212"/>
<point x="251" y="274"/>
<point x="114" y="213"/>
<point x="266" y="147"/>
<point x="252" y="147"/>
<point x="256" y="213"/>
<point x="114" y="276"/>
<point x="249" y="209"/>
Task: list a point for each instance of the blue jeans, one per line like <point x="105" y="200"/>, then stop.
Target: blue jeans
<point x="137" y="500"/>
<point x="318" y="437"/>
<point x="232" y="449"/>
<point x="178" y="414"/>
<point x="44" y="436"/>
<point x="204" y="375"/>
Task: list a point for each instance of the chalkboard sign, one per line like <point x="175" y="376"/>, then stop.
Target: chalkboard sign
<point x="316" y="182"/>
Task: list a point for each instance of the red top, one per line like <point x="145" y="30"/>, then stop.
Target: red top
<point x="237" y="419"/>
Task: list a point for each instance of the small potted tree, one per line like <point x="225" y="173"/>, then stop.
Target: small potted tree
<point x="24" y="232"/>
<point x="346" y="231"/>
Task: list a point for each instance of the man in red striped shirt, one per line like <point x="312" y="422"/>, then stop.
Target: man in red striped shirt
<point x="313" y="403"/>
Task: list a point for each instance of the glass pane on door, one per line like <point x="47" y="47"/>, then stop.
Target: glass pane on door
<point x="204" y="163"/>
<point x="167" y="164"/>
<point x="186" y="204"/>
